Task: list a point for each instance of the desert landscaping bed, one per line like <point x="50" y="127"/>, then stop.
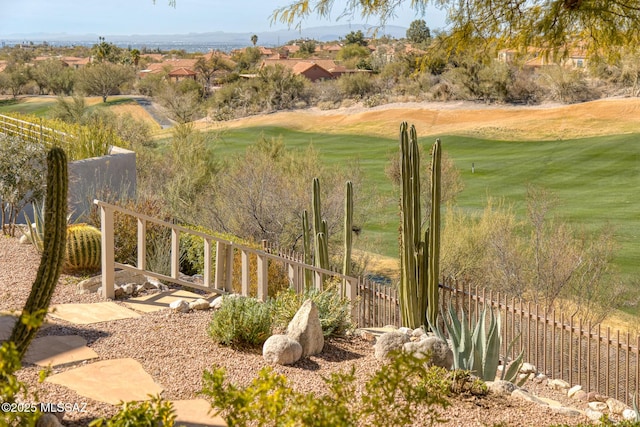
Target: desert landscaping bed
<point x="174" y="348"/>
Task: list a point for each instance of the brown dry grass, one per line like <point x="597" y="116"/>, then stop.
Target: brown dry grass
<point x="546" y="122"/>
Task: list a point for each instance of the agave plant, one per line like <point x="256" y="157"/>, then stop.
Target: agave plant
<point x="478" y="351"/>
<point x="35" y="230"/>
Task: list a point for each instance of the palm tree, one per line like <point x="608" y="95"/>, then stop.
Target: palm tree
<point x="254" y="39"/>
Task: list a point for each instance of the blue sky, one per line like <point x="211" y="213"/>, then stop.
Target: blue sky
<point x="126" y="17"/>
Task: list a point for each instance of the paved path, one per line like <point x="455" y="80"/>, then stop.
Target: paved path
<point x="161" y="119"/>
<point x="109" y="381"/>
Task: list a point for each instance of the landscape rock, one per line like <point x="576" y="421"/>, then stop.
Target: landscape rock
<point x="180" y="306"/>
<point x="305" y="328"/>
<point x="558" y="384"/>
<point x="199" y="304"/>
<point x="593" y="415"/>
<point x="216" y="303"/>
<point x="438" y="349"/>
<point x="528" y="368"/>
<point x="598" y="406"/>
<point x="418" y="333"/>
<point x="615" y="406"/>
<point x="501" y="387"/>
<point x="525" y="395"/>
<point x="281" y="350"/>
<point x="580" y="395"/>
<point x="405" y="330"/>
<point x="129" y="288"/>
<point x="48" y="420"/>
<point x="593" y="396"/>
<point x="573" y="390"/>
<point x="118" y="292"/>
<point x="389" y="342"/>
<point x="629" y="414"/>
<point x="121" y="277"/>
<point x="569" y="412"/>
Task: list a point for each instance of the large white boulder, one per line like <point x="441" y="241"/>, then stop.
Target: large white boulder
<point x="305" y="328"/>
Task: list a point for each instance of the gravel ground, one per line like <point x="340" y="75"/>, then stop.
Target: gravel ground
<point x="175" y="349"/>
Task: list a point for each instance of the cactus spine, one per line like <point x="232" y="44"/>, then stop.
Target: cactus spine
<point x="419" y="259"/>
<point x="53" y="253"/>
<point x="83" y="247"/>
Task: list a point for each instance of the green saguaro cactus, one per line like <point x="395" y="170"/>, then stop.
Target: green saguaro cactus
<point x="320" y="232"/>
<point x="419" y="259"/>
<point x="53" y="253"/>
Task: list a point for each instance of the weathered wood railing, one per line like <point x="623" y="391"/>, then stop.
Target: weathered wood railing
<point x="221" y="281"/>
<point x="33" y="132"/>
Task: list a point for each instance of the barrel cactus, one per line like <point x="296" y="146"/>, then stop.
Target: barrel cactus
<point x="83" y="247"/>
<point x="53" y="253"/>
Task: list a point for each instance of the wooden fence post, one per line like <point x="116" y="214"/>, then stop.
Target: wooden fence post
<point x="220" y="258"/>
<point x="107" y="255"/>
<point x="263" y="276"/>
<point x="245" y="273"/>
<point x="142" y="244"/>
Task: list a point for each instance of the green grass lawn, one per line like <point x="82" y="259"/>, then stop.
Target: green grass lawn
<point x="38" y="109"/>
<point x="596" y="179"/>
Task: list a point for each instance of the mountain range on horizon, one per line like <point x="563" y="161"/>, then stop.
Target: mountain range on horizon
<point x="275" y="37"/>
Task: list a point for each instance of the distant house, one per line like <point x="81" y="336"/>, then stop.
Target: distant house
<point x="3" y="65"/>
<point x="176" y="69"/>
<point x="181" y="74"/>
<point x="314" y="69"/>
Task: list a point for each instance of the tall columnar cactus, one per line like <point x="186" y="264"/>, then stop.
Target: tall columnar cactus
<point x="348" y="228"/>
<point x="53" y="253"/>
<point x="320" y="236"/>
<point x="419" y="259"/>
<point x="306" y="239"/>
<point x="83" y="247"/>
<point x="320" y="231"/>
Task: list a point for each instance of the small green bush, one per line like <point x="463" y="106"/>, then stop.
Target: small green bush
<point x="241" y="322"/>
<point x="154" y="413"/>
<point x="390" y="397"/>
<point x="334" y="310"/>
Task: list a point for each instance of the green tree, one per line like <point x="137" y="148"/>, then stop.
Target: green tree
<point x="307" y="48"/>
<point x="247" y="59"/>
<point x="17" y="75"/>
<point x="550" y="23"/>
<point x="418" y="32"/>
<point x="104" y="79"/>
<point x="254" y="39"/>
<point x="207" y="68"/>
<point x="355" y="37"/>
<point x="53" y="77"/>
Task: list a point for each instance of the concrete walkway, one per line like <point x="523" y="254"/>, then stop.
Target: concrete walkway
<point x="109" y="381"/>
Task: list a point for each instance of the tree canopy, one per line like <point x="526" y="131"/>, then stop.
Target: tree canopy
<point x="551" y="24"/>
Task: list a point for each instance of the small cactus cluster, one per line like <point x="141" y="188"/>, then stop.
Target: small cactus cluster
<point x="419" y="258"/>
<point x="320" y="232"/>
<point x="53" y="253"/>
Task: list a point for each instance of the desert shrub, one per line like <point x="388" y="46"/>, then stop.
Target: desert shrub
<point x="567" y="86"/>
<point x="12" y="390"/>
<point x="357" y="85"/>
<point x="391" y="397"/>
<point x="241" y="322"/>
<point x="22" y="165"/>
<point x="523" y="88"/>
<point x="156" y="412"/>
<point x="334" y="310"/>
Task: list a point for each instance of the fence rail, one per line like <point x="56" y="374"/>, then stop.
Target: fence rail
<point x="604" y="361"/>
<point x="32" y="132"/>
